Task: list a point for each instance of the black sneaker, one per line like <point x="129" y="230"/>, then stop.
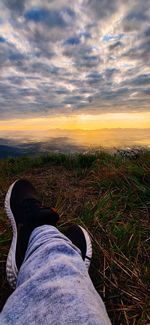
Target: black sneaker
<point x="80" y="238"/>
<point x="25" y="213"/>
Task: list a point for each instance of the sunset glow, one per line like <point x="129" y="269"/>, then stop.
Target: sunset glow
<point x="74" y="65"/>
<point x="82" y="122"/>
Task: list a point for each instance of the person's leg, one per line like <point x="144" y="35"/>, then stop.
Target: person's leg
<point x="53" y="285"/>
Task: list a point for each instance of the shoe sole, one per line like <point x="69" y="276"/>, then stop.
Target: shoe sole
<point x="11" y="268"/>
<point x="88" y="256"/>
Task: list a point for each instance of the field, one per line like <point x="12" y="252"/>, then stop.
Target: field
<point x="108" y="195"/>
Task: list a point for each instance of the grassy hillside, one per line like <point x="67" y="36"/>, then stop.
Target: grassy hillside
<point x="108" y="195"/>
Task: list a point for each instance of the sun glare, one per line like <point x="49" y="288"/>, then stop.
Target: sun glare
<point x="83" y="122"/>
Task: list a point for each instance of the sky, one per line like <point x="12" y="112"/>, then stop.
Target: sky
<point x="80" y="64"/>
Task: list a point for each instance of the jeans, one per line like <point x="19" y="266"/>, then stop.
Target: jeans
<point x="53" y="285"/>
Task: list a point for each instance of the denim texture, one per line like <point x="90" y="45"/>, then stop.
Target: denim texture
<point x="53" y="285"/>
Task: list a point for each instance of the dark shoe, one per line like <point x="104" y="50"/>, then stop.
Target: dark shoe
<point x="80" y="238"/>
<point x="25" y="213"/>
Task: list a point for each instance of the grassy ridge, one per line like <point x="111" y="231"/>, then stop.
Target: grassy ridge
<point x="110" y="196"/>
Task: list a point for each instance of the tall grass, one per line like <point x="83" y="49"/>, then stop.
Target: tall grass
<point x="110" y="196"/>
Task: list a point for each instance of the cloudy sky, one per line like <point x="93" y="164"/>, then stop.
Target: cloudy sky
<point x="71" y="61"/>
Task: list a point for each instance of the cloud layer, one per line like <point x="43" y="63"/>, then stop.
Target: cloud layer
<point x="74" y="57"/>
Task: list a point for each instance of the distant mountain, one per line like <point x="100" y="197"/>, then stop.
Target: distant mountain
<point x="71" y="141"/>
<point x="7" y="151"/>
<point x="60" y="144"/>
<point x="16" y="150"/>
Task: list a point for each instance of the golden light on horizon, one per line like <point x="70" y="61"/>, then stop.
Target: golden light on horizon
<point x="82" y="122"/>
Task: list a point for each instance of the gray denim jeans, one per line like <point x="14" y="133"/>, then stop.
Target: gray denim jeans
<point x="53" y="285"/>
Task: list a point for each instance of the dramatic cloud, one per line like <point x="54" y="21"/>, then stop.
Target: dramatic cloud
<point x="74" y="57"/>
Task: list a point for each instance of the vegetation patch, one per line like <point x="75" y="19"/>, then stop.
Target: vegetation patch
<point x="110" y="196"/>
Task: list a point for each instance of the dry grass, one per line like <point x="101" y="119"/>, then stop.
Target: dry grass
<point x="111" y="198"/>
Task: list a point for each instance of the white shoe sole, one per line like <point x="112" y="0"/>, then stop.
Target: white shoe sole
<point x="88" y="257"/>
<point x="11" y="268"/>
